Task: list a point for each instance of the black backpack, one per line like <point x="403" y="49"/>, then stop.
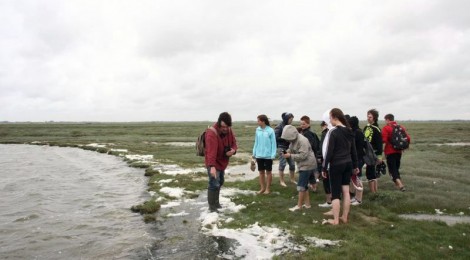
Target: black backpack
<point x="399" y="138"/>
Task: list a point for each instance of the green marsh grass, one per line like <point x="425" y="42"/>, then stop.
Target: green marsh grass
<point x="436" y="177"/>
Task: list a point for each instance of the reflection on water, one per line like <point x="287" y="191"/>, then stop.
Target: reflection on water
<point x="65" y="203"/>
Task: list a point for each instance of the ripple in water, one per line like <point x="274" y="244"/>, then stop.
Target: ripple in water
<point x="66" y="203"/>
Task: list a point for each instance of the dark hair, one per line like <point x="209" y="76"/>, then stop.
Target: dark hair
<point x="226" y="118"/>
<point x="354" y="122"/>
<point x="264" y="118"/>
<point x="306" y="119"/>
<point x="389" y="117"/>
<point x="374" y="113"/>
<point x="323" y="123"/>
<point x="337" y="113"/>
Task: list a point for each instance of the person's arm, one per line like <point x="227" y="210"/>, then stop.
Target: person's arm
<point x="233" y="142"/>
<point x="255" y="145"/>
<point x="272" y="138"/>
<point x="329" y="151"/>
<point x="211" y="150"/>
<point x="377" y="138"/>
<point x="302" y="152"/>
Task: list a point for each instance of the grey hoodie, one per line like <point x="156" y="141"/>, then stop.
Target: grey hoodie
<point x="299" y="148"/>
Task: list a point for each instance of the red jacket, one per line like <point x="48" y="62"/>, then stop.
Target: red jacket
<point x="215" y="145"/>
<point x="387" y="135"/>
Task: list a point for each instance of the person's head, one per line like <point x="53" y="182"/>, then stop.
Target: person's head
<point x="323" y="125"/>
<point x="372" y="116"/>
<point x="389" y="117"/>
<point x="290" y="133"/>
<point x="224" y="122"/>
<point x="287" y="118"/>
<point x="263" y="120"/>
<point x="354" y="122"/>
<point x="304" y="122"/>
<point x="337" y="117"/>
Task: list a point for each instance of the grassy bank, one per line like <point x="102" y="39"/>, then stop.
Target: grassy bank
<point x="436" y="176"/>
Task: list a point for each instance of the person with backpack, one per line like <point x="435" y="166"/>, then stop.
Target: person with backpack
<point x="314" y="143"/>
<point x="396" y="140"/>
<point x="220" y="145"/>
<point x="264" y="151"/>
<point x="282" y="146"/>
<point x="374" y="137"/>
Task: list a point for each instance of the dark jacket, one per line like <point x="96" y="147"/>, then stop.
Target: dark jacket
<point x="313" y="140"/>
<point x="281" y="143"/>
<point x="322" y="138"/>
<point x="341" y="147"/>
<point x="374" y="136"/>
<point x="360" y="143"/>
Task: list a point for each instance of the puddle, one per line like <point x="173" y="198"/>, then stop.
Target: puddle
<point x="181" y="144"/>
<point x="449" y="220"/>
<point x="454" y="144"/>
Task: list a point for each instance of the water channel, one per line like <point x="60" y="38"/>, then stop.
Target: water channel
<point x="66" y="203"/>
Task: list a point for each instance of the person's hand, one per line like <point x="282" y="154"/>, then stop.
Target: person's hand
<point x="324" y="174"/>
<point x="213" y="172"/>
<point x="230" y="153"/>
<point x="356" y="171"/>
<point x="379" y="161"/>
<point x="286" y="155"/>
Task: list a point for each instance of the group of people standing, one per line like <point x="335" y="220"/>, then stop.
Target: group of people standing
<point x="337" y="155"/>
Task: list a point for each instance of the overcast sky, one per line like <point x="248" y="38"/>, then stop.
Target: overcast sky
<point x="95" y="60"/>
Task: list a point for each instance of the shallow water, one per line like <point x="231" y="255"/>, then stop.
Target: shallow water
<point x="449" y="220"/>
<point x="66" y="203"/>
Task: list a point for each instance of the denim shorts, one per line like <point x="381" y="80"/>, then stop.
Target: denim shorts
<point x="304" y="176"/>
<point x="283" y="162"/>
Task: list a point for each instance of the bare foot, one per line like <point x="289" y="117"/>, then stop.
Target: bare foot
<point x="260" y="192"/>
<point x="293" y="181"/>
<point x="283" y="184"/>
<point x="329" y="222"/>
<point x="328" y="213"/>
<point x="343" y="220"/>
<point x="267" y="192"/>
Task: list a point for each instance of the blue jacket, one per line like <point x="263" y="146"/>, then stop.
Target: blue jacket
<point x="265" y="143"/>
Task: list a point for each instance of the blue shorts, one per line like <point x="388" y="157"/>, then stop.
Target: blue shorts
<point x="302" y="183"/>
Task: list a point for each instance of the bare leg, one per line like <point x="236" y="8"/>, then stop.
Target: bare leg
<point x="373" y="186"/>
<point x="307" y="199"/>
<point x="269" y="180"/>
<point x="281" y="179"/>
<point x="346" y="203"/>
<point x="398" y="183"/>
<point x="300" y="202"/>
<point x="336" y="208"/>
<point x="262" y="181"/>
<point x="292" y="177"/>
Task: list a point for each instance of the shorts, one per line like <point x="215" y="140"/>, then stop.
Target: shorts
<point x="265" y="164"/>
<point x="283" y="162"/>
<point x="371" y="172"/>
<point x="340" y="175"/>
<point x="302" y="183"/>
